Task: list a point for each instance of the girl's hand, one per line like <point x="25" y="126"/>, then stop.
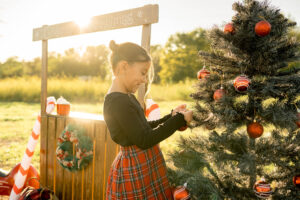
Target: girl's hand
<point x="188" y="116"/>
<point x="179" y="108"/>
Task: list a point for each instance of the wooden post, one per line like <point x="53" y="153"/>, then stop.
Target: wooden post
<point x="44" y="76"/>
<point x="146" y="36"/>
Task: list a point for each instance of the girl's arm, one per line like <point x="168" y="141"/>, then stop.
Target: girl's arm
<point x="155" y="123"/>
<point x="136" y="128"/>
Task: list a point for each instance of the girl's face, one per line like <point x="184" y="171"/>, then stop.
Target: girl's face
<point x="134" y="75"/>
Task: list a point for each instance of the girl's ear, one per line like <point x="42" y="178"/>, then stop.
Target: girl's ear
<point x="121" y="68"/>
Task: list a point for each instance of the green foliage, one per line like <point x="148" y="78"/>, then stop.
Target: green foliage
<point x="27" y="89"/>
<point x="11" y="68"/>
<point x="156" y="52"/>
<point x="180" y="56"/>
<point x="93" y="62"/>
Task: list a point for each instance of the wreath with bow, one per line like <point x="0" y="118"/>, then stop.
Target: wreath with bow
<point x="74" y="148"/>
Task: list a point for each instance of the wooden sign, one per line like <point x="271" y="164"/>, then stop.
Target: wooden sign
<point x="134" y="17"/>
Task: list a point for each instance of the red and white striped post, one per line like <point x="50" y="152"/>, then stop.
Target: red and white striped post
<point x="25" y="163"/>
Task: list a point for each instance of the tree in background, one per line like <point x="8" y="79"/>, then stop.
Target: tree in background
<point x="11" y="68"/>
<point x="96" y="61"/>
<point x="250" y="106"/>
<point x="180" y="55"/>
<point x="156" y="52"/>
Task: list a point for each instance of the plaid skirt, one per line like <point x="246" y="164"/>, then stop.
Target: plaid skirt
<point x="138" y="174"/>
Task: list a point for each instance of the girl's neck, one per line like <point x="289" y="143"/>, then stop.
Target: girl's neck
<point x="117" y="86"/>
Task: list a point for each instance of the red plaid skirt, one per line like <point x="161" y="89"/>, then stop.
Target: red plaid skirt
<point x="138" y="174"/>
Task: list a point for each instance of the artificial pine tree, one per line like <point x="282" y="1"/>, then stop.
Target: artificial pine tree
<point x="252" y="126"/>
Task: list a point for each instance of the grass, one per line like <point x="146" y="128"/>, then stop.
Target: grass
<point x="17" y="120"/>
<point x="27" y="89"/>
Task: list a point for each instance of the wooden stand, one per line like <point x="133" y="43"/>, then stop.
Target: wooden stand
<point x="89" y="183"/>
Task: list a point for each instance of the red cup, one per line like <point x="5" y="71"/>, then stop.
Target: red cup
<point x="63" y="109"/>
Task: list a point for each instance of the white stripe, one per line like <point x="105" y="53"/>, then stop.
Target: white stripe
<point x="36" y="127"/>
<point x="20" y="179"/>
<point x="25" y="162"/>
<point x="13" y="195"/>
<point x="31" y="144"/>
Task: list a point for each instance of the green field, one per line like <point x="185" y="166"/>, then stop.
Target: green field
<point x="27" y="89"/>
<point x="17" y="120"/>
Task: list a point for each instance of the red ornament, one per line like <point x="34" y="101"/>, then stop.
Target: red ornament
<point x="241" y="83"/>
<point x="296" y="181"/>
<point x="262" y="28"/>
<point x="255" y="130"/>
<point x="219" y="94"/>
<point x="262" y="189"/>
<point x="182" y="128"/>
<point x="203" y="73"/>
<point x="298" y="118"/>
<point x="181" y="193"/>
<point x="229" y="28"/>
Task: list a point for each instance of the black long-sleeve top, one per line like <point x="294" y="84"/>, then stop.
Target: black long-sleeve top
<point x="128" y="125"/>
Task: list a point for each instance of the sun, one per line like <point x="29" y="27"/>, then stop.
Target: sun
<point x="83" y="21"/>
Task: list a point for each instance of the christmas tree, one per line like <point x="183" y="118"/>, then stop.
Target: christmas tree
<point x="247" y="97"/>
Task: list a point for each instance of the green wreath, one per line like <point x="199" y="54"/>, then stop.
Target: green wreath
<point x="74" y="134"/>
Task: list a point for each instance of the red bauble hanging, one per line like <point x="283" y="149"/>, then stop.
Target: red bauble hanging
<point x="298" y="118"/>
<point x="241" y="83"/>
<point x="255" y="130"/>
<point x="296" y="181"/>
<point x="181" y="193"/>
<point x="203" y="73"/>
<point x="262" y="28"/>
<point x="229" y="28"/>
<point x="219" y="94"/>
<point x="262" y="189"/>
<point x="182" y="128"/>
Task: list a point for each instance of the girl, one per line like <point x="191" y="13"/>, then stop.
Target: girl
<point x="139" y="170"/>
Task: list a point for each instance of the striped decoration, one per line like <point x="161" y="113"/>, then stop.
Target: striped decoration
<point x="241" y="83"/>
<point x="262" y="189"/>
<point x="152" y="111"/>
<point x="25" y="163"/>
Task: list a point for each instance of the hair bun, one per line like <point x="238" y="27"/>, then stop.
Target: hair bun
<point x="113" y="46"/>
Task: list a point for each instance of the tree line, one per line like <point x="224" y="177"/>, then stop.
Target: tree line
<point x="175" y="61"/>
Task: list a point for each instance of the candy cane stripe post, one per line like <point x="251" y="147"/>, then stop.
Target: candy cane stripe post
<point x="152" y="110"/>
<point x="25" y="163"/>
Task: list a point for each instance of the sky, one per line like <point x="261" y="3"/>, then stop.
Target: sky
<point x="19" y="17"/>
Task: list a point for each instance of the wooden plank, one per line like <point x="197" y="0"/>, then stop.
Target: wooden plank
<point x="78" y="175"/>
<point x="43" y="150"/>
<point x="68" y="177"/>
<point x="59" y="183"/>
<point x="146" y="37"/>
<point x="147" y="14"/>
<point x="99" y="181"/>
<point x="44" y="76"/>
<point x="50" y="151"/>
<point x="111" y="148"/>
<point x="87" y="186"/>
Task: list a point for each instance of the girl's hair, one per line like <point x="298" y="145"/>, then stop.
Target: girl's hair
<point x="127" y="51"/>
<point x="131" y="53"/>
